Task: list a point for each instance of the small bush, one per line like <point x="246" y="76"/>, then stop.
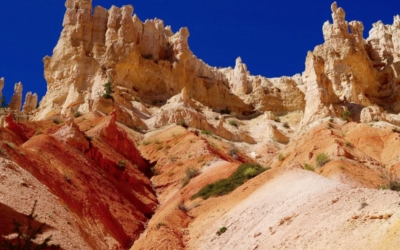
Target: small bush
<point x="182" y="207"/>
<point x="205" y="132"/>
<point x="243" y="173"/>
<point x="308" y="167"/>
<point x="281" y="157"/>
<point x="216" y="118"/>
<point x="233" y="123"/>
<point x="221" y="231"/>
<point x="11" y="145"/>
<point x="182" y="123"/>
<point x="190" y="174"/>
<point x="321" y="159"/>
<point x="57" y="121"/>
<point x="77" y="114"/>
<point x="121" y="164"/>
<point x="349" y="144"/>
<point x="108" y="90"/>
<point x="331" y="119"/>
<point x="160" y="224"/>
<point x="346" y="115"/>
<point x="393" y="184"/>
<point x="277" y="119"/>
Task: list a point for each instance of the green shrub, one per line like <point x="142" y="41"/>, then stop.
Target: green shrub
<point x="346" y="115"/>
<point x="182" y="123"/>
<point x="221" y="231"/>
<point x="205" y="132"/>
<point x="10" y="144"/>
<point x="77" y="114"/>
<point x="243" y="173"/>
<point x="281" y="157"/>
<point x="26" y="236"/>
<point x="121" y="164"/>
<point x="393" y="184"/>
<point x="108" y="90"/>
<point x="190" y="174"/>
<point x="321" y="159"/>
<point x="308" y="167"/>
<point x="233" y="123"/>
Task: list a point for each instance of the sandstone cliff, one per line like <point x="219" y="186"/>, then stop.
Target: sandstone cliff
<point x="348" y="72"/>
<point x="145" y="61"/>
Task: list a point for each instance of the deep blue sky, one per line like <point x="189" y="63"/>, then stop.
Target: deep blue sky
<point x="272" y="37"/>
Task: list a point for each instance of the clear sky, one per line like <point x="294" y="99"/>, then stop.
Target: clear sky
<point x="272" y="37"/>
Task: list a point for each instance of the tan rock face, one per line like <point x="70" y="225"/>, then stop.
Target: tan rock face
<point x="347" y="69"/>
<point x="30" y="102"/>
<point x="1" y="86"/>
<point x="146" y="60"/>
<point x="16" y="99"/>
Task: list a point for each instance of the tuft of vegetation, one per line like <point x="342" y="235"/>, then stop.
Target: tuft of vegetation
<point x="322" y="159"/>
<point x="121" y="164"/>
<point x="182" y="123"/>
<point x="349" y="144"/>
<point x="57" y="121"/>
<point x="77" y="114"/>
<point x="183" y="208"/>
<point x="26" y="236"/>
<point x="281" y="157"/>
<point x="221" y="231"/>
<point x="233" y="123"/>
<point x="308" y="167"/>
<point x="393" y="184"/>
<point x="160" y="224"/>
<point x="190" y="173"/>
<point x="10" y="144"/>
<point x="277" y="119"/>
<point x="331" y="119"/>
<point x="363" y="205"/>
<point x="346" y="115"/>
<point x="145" y="143"/>
<point x="108" y="90"/>
<point x="205" y="132"/>
<point x="216" y="118"/>
<point x="243" y="173"/>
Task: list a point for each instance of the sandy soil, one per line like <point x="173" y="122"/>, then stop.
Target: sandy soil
<point x="298" y="209"/>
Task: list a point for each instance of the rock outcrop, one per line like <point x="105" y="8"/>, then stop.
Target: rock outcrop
<point x="16" y="99"/>
<point x="31" y="101"/>
<point x="146" y="61"/>
<point x="347" y="70"/>
<point x="1" y="87"/>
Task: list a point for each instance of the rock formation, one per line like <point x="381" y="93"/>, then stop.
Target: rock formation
<point x="1" y="87"/>
<point x="16" y="99"/>
<point x="142" y="60"/>
<point x="30" y="102"/>
<point x="347" y="70"/>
